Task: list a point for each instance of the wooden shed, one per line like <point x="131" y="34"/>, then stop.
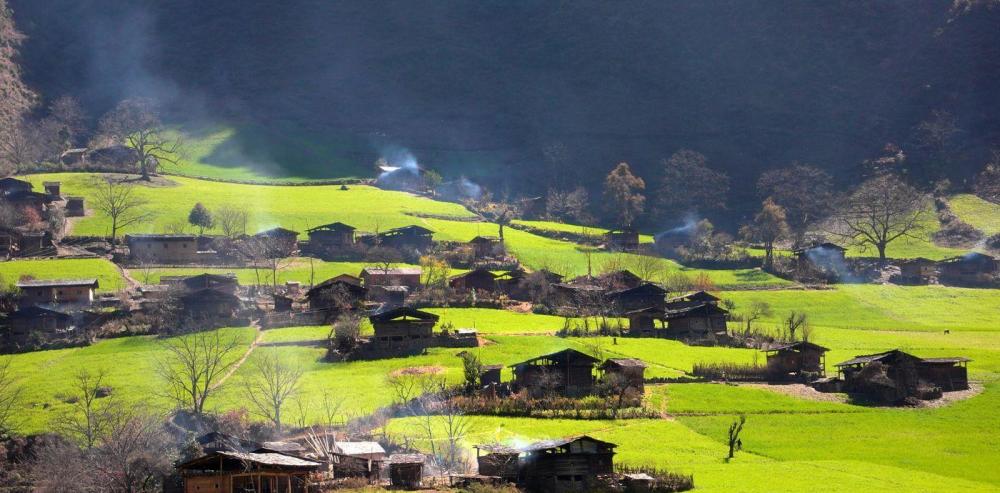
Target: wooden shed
<point x="916" y="270"/>
<point x="406" y="470"/>
<point x="57" y="291"/>
<point x="796" y="358"/>
<point x="226" y="283"/>
<point x="333" y="236"/>
<point x="490" y="375"/>
<point x="279" y="242"/>
<point x="336" y="292"/>
<point x="642" y="322"/>
<point x="949" y="373"/>
<point x="486" y="246"/>
<point x="210" y="304"/>
<point x="566" y="464"/>
<point x="75" y="207"/>
<point x="626" y="240"/>
<point x="946" y="373"/>
<point x="971" y="269"/>
<point x="498" y="461"/>
<point x="474" y="280"/>
<point x="631" y="369"/>
<point x="163" y="249"/>
<point x="392" y="276"/>
<point x="226" y="471"/>
<point x="403" y="323"/>
<point x="695" y="320"/>
<point x="52" y="188"/>
<point x="36" y="319"/>
<point x="406" y="238"/>
<point x="568" y="372"/>
<point x="645" y="295"/>
<point x="10" y="184"/>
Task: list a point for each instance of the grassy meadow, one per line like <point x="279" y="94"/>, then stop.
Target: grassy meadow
<point x="978" y="213"/>
<point x="108" y="276"/>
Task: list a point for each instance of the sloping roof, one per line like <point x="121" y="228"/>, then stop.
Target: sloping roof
<point x="625" y="363"/>
<point x="57" y="283"/>
<point x="969" y="257"/>
<point x="160" y="237"/>
<point x="697" y="309"/>
<point x="36" y="312"/>
<point x="797" y="345"/>
<point x="478" y="271"/>
<point x="496" y="448"/>
<point x="274" y="459"/>
<point x="11" y="181"/>
<point x="359" y="448"/>
<point x="403" y="312"/>
<point x="336" y="226"/>
<point x="281" y="446"/>
<point x="695" y="296"/>
<point x="650" y="310"/>
<point x="559" y="355"/>
<point x="279" y="231"/>
<point x="406" y="459"/>
<point x="485" y="239"/>
<point x="819" y="246"/>
<point x="393" y="271"/>
<point x="413" y="228"/>
<point x="953" y="359"/>
<point x="868" y="358"/>
<point x="350" y="283"/>
<point x="646" y="287"/>
<point x="560" y="442"/>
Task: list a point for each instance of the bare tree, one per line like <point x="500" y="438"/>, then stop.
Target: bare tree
<point x="500" y="212"/>
<point x="794" y="322"/>
<point x="270" y="384"/>
<point x="755" y="311"/>
<point x="881" y="210"/>
<point x="768" y="227"/>
<point x="689" y="186"/>
<point x="231" y="220"/>
<point x="136" y="123"/>
<point x="193" y="364"/>
<point x="17" y="97"/>
<point x="735" y="444"/>
<point x="59" y="466"/>
<point x="89" y="418"/>
<point x="11" y="392"/>
<point x="803" y="190"/>
<point x="135" y="454"/>
<point x="20" y="144"/>
<point x="119" y="201"/>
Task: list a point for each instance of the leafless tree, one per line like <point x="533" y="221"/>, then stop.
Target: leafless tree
<point x="500" y="212"/>
<point x="136" y="123"/>
<point x="404" y="386"/>
<point x="270" y="384"/>
<point x="120" y="201"/>
<point x="803" y="190"/>
<point x="735" y="444"/>
<point x="89" y="418"/>
<point x="755" y="311"/>
<point x="134" y="455"/>
<point x="794" y="322"/>
<point x="881" y="210"/>
<point x="193" y="364"/>
<point x="17" y="97"/>
<point x="11" y="392"/>
<point x="20" y="144"/>
<point x="617" y="388"/>
<point x="231" y="220"/>
<point x="61" y="467"/>
<point x="437" y="412"/>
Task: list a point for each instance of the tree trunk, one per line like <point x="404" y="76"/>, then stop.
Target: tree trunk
<point x="501" y="231"/>
<point x="881" y="252"/>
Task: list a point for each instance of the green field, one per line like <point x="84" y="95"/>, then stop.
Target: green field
<point x="978" y="213"/>
<point x="108" y="276"/>
<point x="911" y="247"/>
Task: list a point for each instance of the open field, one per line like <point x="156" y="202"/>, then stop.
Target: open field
<point x="920" y="246"/>
<point x="108" y="276"/>
<point x="291" y="269"/>
<point x="978" y="213"/>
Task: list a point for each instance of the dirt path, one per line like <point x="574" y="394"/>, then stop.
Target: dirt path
<point x="253" y="345"/>
<point x="132" y="282"/>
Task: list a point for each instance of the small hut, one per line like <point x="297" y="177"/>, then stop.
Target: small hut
<point x="403" y="323"/>
<point x="339" y="291"/>
<point x="795" y="359"/>
<point x="631" y="369"/>
<point x="485" y="246"/>
<point x="567" y="464"/>
<point x="57" y="291"/>
<point x="642" y="296"/>
<point x="971" y="269"/>
<point x="474" y="280"/>
<point x="75" y="207"/>
<point x="916" y="270"/>
<point x="626" y="240"/>
<point x="695" y="321"/>
<point x="568" y="372"/>
<point x="498" y="461"/>
<point x="490" y="375"/>
<point x="52" y="188"/>
<point x="406" y="470"/>
<point x="279" y="242"/>
<point x="642" y="322"/>
<point x="226" y="471"/>
<point x="392" y="276"/>
<point x="333" y="236"/>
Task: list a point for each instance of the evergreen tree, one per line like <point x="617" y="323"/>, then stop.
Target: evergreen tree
<point x="201" y="217"/>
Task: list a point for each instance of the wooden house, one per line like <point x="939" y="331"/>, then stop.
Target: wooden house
<point x="28" y="199"/>
<point x="336" y="292"/>
<point x="916" y="270"/>
<point x="631" y="369"/>
<point x="692" y="299"/>
<point x="523" y="286"/>
<point x="406" y="470"/>
<point x="568" y="372"/>
<point x="795" y="359"/>
<point x="392" y="276"/>
<point x="402" y="324"/>
<point x="227" y="471"/>
<point x="364" y="450"/>
<point x="52" y="188"/>
<point x="610" y="281"/>
<point x="486" y="246"/>
<point x="279" y="242"/>
<point x="566" y="464"/>
<point x="694" y="321"/>
<point x="946" y="373"/>
<point x="35" y="243"/>
<point x="57" y="291"/>
<point x="227" y="283"/>
<point x="949" y="373"/>
<point x="215" y="441"/>
<point x="499" y="461"/>
<point x="642" y="322"/>
<point x="75" y="207"/>
<point x="35" y="319"/>
<point x="389" y="296"/>
<point x="9" y="185"/>
<point x="490" y="375"/>
<point x="406" y="238"/>
<point x="826" y="257"/>
<point x="164" y="249"/>
<point x="626" y="240"/>
<point x="474" y="280"/>
<point x="333" y="236"/>
<point x="645" y="295"/>
<point x="210" y="304"/>
<point x="282" y="303"/>
<point x="971" y="269"/>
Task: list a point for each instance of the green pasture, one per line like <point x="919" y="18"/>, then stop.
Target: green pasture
<point x="291" y="269"/>
<point x="920" y="245"/>
<point x="108" y="276"/>
<point x="978" y="213"/>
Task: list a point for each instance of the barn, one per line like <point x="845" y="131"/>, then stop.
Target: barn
<point x="226" y="471"/>
<point x="566" y="464"/>
<point x="568" y="372"/>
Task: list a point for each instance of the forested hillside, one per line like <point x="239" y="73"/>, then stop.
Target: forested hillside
<point x="501" y="91"/>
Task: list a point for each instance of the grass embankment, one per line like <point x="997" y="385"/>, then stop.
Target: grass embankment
<point x="108" y="276"/>
<point x="978" y="213"/>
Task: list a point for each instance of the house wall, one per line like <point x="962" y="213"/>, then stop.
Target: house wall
<point x="375" y="279"/>
<point x="948" y="377"/>
<point x="164" y="251"/>
<point x="47" y="294"/>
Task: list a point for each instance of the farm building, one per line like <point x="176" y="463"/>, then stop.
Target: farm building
<point x="36" y="319"/>
<point x="947" y="373"/>
<point x="522" y="286"/>
<point x="631" y="369"/>
<point x="490" y="375"/>
<point x="642" y="322"/>
<point x="226" y="471"/>
<point x="971" y="269"/>
<point x="498" y="461"/>
<point x="694" y="321"/>
<point x="62" y="291"/>
<point x="336" y="292"/>
<point x="609" y="281"/>
<point x="28" y="199"/>
<point x="210" y="304"/>
<point x="901" y="368"/>
<point x="392" y="276"/>
<point x="406" y="238"/>
<point x="165" y="249"/>
<point x="916" y="270"/>
<point x="333" y="236"/>
<point x="567" y="464"/>
<point x="282" y="303"/>
<point x="645" y="295"/>
<point x="215" y="441"/>
<point x="568" y="372"/>
<point x="626" y="240"/>
<point x="364" y="450"/>
<point x="389" y="295"/>
<point x="75" y="207"/>
<point x="9" y="185"/>
<point x="692" y="299"/>
<point x="34" y="243"/>
<point x="406" y="470"/>
<point x="823" y="257"/>
<point x="795" y="359"/>
<point x="279" y="242"/>
<point x="226" y="283"/>
<point x="401" y="324"/>
<point x="52" y="188"/>
<point x="486" y="246"/>
<point x="474" y="280"/>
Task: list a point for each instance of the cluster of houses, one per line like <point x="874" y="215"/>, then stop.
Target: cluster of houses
<point x="229" y="465"/>
<point x="20" y="194"/>
<point x="568" y="373"/>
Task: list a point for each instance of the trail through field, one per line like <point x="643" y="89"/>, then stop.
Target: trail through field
<point x="132" y="282"/>
<point x="253" y="345"/>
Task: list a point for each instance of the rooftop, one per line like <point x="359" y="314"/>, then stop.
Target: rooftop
<point x="359" y="448"/>
<point x="57" y="283"/>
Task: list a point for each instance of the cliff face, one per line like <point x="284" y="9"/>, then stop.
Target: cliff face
<point x="486" y="88"/>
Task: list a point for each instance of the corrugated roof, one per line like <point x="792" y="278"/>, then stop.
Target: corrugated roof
<point x="161" y="237"/>
<point x="359" y="448"/>
<point x="52" y="283"/>
<point x="394" y="271"/>
<point x="953" y="359"/>
<point x="406" y="459"/>
<point x="625" y="362"/>
<point x="559" y="442"/>
<point x="269" y="458"/>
